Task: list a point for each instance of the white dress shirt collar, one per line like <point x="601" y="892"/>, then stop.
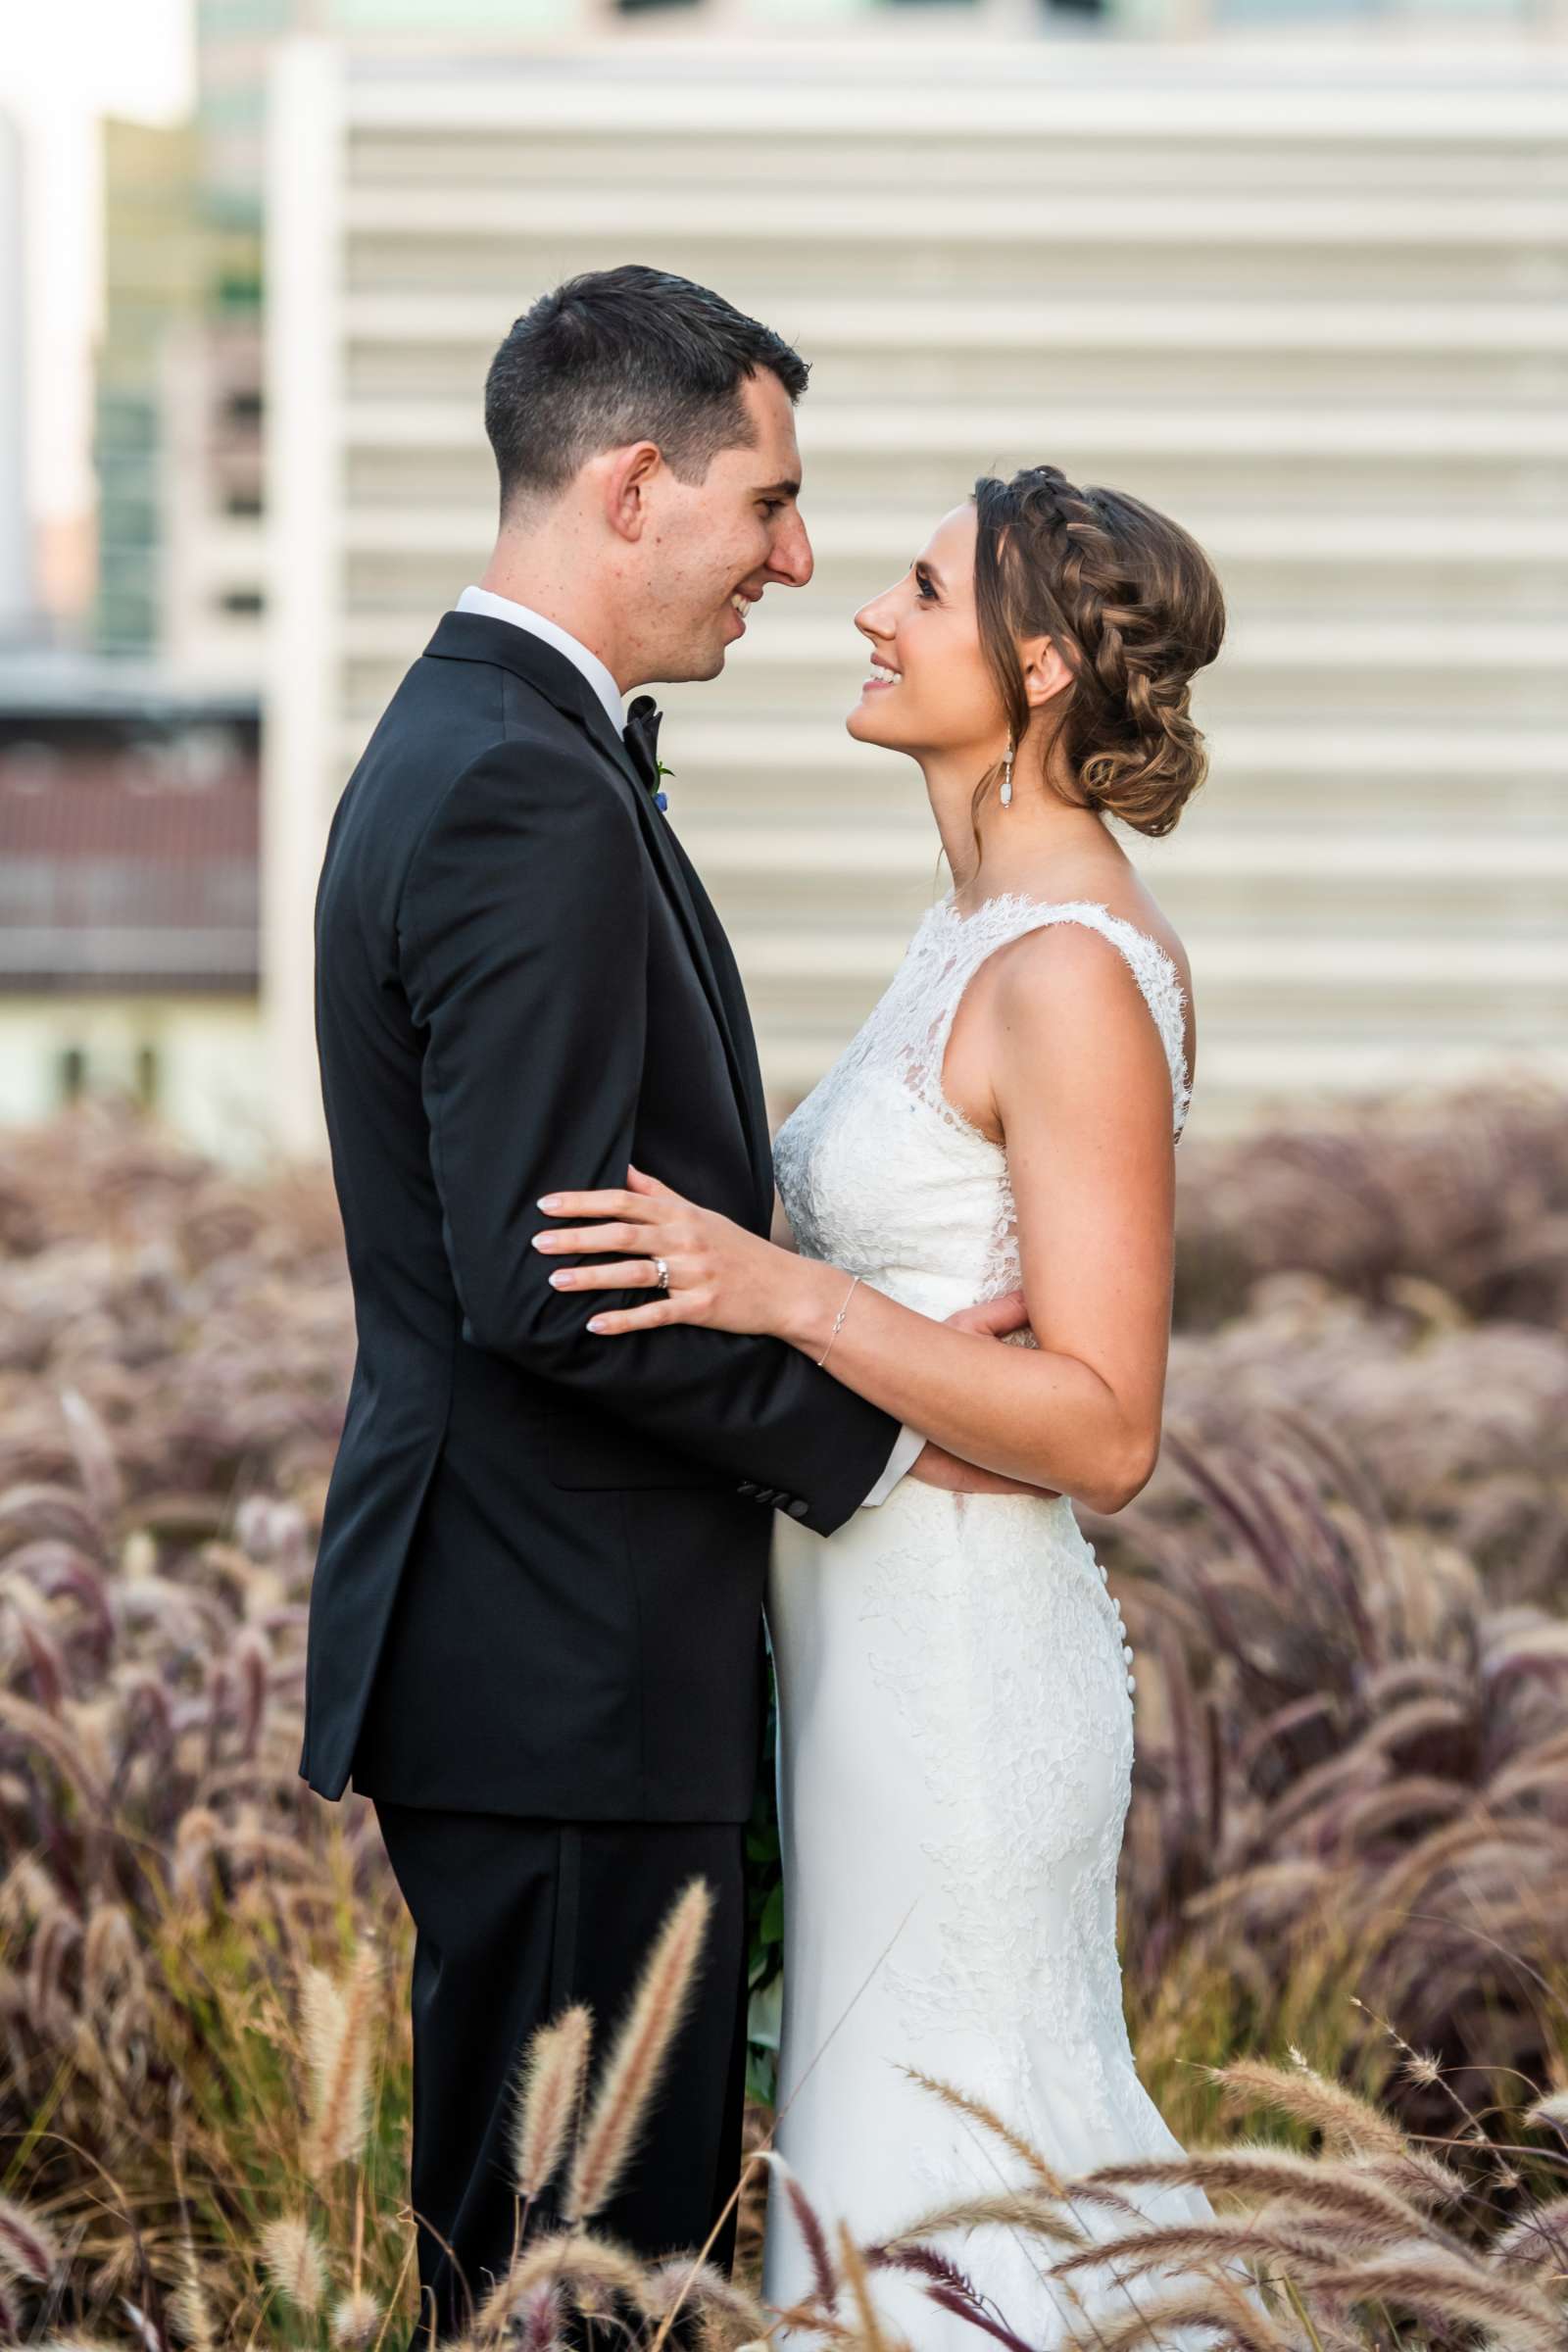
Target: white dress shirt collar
<point x="522" y="616"/>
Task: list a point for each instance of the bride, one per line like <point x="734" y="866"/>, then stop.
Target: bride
<point x="955" y="1694"/>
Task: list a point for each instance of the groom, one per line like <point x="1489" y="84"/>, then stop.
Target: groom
<point x="535" y="1629"/>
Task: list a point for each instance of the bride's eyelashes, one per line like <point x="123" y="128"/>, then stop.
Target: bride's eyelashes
<point x="923" y="581"/>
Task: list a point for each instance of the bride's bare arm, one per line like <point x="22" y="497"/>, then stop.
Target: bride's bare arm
<point x="1083" y="1097"/>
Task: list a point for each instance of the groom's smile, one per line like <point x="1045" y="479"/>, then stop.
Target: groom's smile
<point x="708" y="548"/>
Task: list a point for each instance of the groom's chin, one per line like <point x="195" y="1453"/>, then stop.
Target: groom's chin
<point x="692" y="669"/>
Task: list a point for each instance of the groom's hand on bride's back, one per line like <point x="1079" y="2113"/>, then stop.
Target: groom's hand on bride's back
<point x="995" y="1319"/>
<point x="936" y="1467"/>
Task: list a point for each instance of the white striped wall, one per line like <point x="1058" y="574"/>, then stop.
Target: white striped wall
<point x="1311" y="301"/>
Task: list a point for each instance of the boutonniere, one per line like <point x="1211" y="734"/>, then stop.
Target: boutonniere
<point x="641" y="738"/>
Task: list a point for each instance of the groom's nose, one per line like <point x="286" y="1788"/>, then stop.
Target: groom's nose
<point x="791" y="558"/>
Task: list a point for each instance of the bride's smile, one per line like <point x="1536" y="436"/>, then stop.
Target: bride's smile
<point x="928" y="683"/>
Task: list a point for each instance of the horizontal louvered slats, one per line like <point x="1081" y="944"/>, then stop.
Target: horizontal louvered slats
<point x="1323" y="322"/>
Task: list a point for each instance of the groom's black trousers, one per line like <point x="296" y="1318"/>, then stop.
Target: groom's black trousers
<point x="516" y="1920"/>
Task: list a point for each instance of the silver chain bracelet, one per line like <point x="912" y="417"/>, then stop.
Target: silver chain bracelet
<point x="838" y="1324"/>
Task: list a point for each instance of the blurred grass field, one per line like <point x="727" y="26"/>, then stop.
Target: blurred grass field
<point x="1346" y="1586"/>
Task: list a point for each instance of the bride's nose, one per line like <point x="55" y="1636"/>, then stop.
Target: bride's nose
<point x="872" y="622"/>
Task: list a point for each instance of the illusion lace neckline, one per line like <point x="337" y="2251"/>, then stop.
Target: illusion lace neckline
<point x="1017" y="900"/>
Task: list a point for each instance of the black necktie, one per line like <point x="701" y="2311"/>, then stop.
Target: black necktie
<point x="641" y="738"/>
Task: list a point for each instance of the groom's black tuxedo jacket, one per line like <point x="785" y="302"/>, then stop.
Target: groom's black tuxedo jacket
<point x="540" y="1576"/>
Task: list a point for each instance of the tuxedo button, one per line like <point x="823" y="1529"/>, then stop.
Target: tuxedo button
<point x="797" y="1508"/>
<point x="767" y="1494"/>
<point x="747" y="1486"/>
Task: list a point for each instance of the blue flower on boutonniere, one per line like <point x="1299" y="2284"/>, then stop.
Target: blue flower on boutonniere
<point x="661" y="772"/>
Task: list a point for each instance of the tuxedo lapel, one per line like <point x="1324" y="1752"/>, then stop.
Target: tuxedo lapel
<point x="706" y="940"/>
<point x="480" y="637"/>
<point x="744" y="1061"/>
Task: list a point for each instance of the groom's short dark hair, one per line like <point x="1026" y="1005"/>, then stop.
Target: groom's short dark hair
<point x="625" y="355"/>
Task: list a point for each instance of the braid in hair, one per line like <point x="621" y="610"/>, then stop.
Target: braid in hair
<point x="1135" y="608"/>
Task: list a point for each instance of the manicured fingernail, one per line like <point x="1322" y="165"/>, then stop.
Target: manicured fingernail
<point x="596" y="1323"/>
<point x="549" y="1203"/>
<point x="563" y="1278"/>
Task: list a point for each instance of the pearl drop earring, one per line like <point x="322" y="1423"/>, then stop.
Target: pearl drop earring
<point x="1006" y="777"/>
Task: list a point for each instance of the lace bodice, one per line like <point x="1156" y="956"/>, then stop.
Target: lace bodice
<point x="880" y="1173"/>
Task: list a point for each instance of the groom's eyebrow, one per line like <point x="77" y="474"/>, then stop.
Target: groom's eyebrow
<point x="779" y="490"/>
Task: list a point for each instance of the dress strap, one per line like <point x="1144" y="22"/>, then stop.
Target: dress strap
<point x="971" y="938"/>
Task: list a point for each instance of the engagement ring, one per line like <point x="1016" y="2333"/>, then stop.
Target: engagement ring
<point x="662" y="1271"/>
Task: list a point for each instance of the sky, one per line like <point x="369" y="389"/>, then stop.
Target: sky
<point x="61" y="66"/>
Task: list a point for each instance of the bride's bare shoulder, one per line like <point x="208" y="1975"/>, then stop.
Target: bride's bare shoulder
<point x="1062" y="952"/>
<point x="1022" y="978"/>
<point x="1123" y="892"/>
<point x="1137" y="907"/>
<point x="1119" y="893"/>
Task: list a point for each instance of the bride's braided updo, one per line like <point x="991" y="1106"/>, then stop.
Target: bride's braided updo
<point x="1134" y="607"/>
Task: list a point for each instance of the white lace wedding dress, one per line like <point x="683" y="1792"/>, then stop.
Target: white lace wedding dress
<point x="956" y="1729"/>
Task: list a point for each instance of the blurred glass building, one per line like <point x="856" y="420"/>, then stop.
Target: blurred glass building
<point x="16" y="550"/>
<point x="155" y="295"/>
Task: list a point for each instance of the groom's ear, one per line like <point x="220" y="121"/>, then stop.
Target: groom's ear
<point x="628" y="475"/>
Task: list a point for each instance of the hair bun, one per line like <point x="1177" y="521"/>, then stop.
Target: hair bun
<point x="1147" y="782"/>
<point x="1136" y="609"/>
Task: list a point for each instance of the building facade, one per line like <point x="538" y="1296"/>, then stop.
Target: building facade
<point x="129" y="916"/>
<point x="1317" y="314"/>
